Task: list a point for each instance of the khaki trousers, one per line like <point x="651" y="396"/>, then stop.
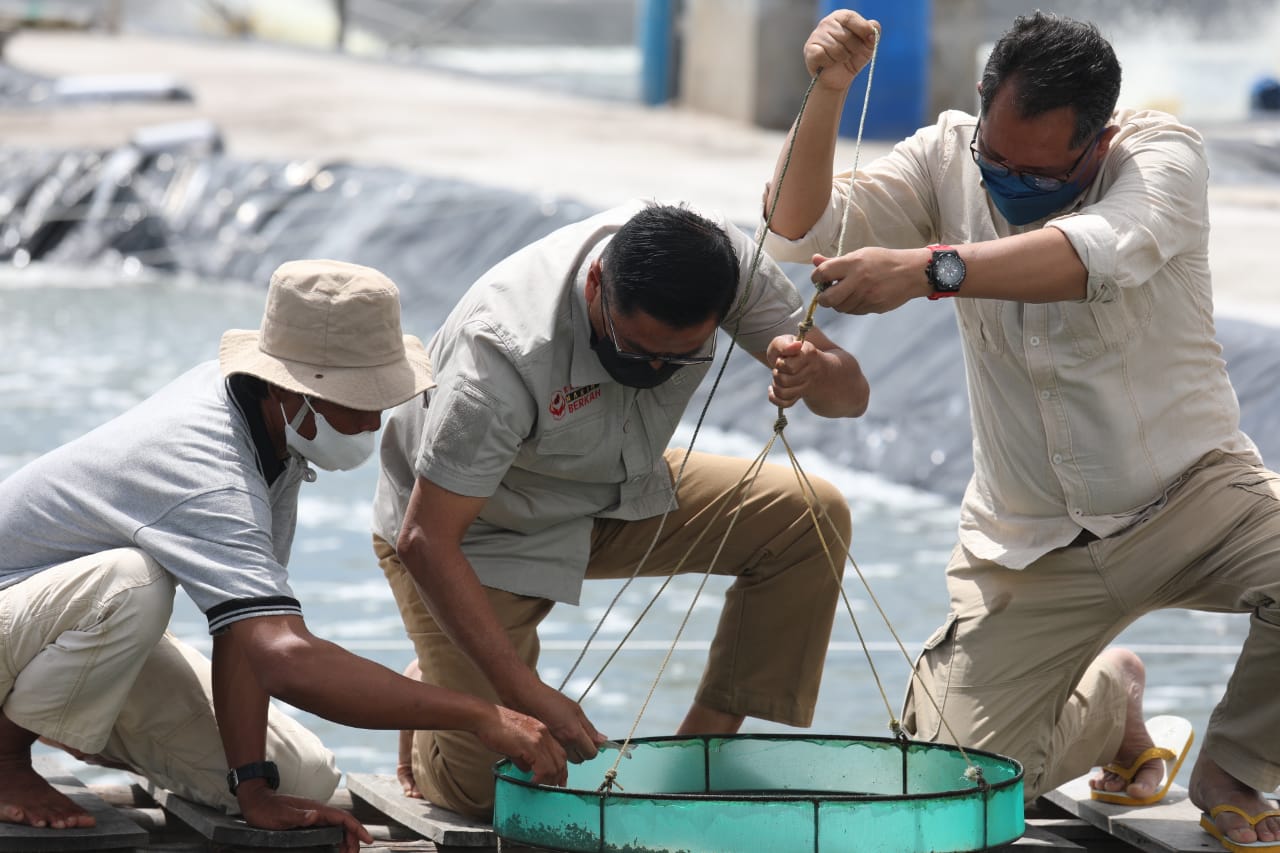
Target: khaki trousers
<point x="85" y="660"/>
<point x="1014" y="667"/>
<point x="770" y="646"/>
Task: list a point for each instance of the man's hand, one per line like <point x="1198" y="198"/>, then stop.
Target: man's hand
<point x="566" y="720"/>
<point x="266" y="809"/>
<point x="872" y="280"/>
<point x="798" y="369"/>
<point x="528" y="743"/>
<point x="840" y="47"/>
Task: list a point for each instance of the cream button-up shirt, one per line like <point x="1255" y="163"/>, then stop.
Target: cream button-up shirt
<point x="1085" y="412"/>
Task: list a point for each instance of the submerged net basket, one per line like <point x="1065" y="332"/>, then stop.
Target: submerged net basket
<point x="780" y="793"/>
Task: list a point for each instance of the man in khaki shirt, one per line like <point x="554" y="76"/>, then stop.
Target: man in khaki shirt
<point x="541" y="459"/>
<point x="1111" y="477"/>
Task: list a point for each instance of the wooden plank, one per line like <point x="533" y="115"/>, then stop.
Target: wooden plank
<point x="222" y="829"/>
<point x="446" y="828"/>
<point x="1170" y="826"/>
<point x="113" y="830"/>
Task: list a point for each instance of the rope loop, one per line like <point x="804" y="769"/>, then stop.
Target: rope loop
<point x="610" y="781"/>
<point x="974" y="774"/>
<point x="780" y="424"/>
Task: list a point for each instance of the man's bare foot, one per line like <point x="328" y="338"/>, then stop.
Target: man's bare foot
<point x="25" y="797"/>
<point x="1212" y="786"/>
<point x="1136" y="740"/>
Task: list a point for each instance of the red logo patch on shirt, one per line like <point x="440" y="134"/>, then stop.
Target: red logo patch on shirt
<point x="569" y="399"/>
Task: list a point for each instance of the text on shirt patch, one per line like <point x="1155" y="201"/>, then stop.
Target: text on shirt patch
<point x="569" y="399"/>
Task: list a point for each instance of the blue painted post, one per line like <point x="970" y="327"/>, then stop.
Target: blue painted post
<point x="900" y="91"/>
<point x="656" y="34"/>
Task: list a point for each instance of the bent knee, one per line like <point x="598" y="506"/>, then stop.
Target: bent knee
<point x="313" y="777"/>
<point x="140" y="594"/>
<point x="831" y="501"/>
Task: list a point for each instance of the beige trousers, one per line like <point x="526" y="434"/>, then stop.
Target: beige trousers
<point x="1013" y="667"/>
<point x="85" y="661"/>
<point x="770" y="646"/>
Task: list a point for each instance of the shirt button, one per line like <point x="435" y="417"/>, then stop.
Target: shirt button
<point x="1035" y="340"/>
<point x="1057" y="459"/>
<point x="1045" y="395"/>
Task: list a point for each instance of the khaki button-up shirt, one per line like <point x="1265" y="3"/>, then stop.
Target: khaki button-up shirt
<point x="1085" y="412"/>
<point x="525" y="415"/>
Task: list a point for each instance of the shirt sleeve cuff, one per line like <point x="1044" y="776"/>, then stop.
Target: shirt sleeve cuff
<point x="1094" y="241"/>
<point x="823" y="235"/>
<point x="223" y="615"/>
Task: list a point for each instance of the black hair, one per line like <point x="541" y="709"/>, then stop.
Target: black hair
<point x="1056" y="62"/>
<point x="673" y="265"/>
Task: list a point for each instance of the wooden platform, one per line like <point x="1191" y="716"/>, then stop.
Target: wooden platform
<point x="222" y="830"/>
<point x="145" y="818"/>
<point x="384" y="795"/>
<point x="1170" y="826"/>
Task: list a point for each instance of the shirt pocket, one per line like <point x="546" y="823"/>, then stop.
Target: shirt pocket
<point x="1096" y="327"/>
<point x="577" y="439"/>
<point x="926" y="703"/>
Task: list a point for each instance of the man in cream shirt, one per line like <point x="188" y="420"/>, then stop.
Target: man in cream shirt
<point x="1111" y="477"/>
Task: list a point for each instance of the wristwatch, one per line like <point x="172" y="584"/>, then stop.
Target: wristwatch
<point x="257" y="770"/>
<point x="945" y="272"/>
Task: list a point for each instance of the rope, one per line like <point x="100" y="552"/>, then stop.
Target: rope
<point x="816" y="513"/>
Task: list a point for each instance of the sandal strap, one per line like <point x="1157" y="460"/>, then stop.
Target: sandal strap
<point x="1254" y="819"/>
<point x="1149" y="754"/>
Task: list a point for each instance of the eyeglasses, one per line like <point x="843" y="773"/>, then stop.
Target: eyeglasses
<point x="677" y="360"/>
<point x="1040" y="183"/>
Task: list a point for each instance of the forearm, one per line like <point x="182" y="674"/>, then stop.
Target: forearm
<point x="459" y="604"/>
<point x="400" y="703"/>
<point x="239" y="704"/>
<point x="798" y="198"/>
<point x="1039" y="266"/>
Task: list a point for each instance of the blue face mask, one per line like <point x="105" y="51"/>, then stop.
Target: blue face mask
<point x="1020" y="204"/>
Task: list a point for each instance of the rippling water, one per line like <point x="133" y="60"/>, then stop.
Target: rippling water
<point x="77" y="352"/>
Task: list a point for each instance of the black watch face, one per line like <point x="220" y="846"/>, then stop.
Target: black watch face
<point x="948" y="270"/>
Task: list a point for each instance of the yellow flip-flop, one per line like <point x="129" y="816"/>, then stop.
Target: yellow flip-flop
<point x="1207" y="824"/>
<point x="1173" y="737"/>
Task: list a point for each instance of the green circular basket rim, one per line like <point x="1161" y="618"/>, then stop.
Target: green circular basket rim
<point x="782" y="795"/>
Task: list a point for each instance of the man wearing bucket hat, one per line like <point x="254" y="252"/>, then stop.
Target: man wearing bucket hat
<point x="198" y="486"/>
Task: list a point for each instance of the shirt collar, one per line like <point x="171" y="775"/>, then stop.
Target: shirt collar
<point x="584" y="366"/>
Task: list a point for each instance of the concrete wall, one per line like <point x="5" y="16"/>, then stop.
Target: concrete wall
<point x="954" y="41"/>
<point x="742" y="58"/>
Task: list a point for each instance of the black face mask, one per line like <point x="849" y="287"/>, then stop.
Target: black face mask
<point x="630" y="372"/>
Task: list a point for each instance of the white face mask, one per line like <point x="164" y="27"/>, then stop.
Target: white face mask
<point x="330" y="449"/>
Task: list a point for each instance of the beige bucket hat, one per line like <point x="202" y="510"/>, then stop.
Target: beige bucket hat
<point x="332" y="330"/>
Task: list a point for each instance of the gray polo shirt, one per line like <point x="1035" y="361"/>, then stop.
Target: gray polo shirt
<point x="178" y="477"/>
<point x="524" y="414"/>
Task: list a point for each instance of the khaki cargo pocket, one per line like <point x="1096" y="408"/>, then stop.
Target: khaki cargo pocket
<point x="1261" y="482"/>
<point x="927" y="693"/>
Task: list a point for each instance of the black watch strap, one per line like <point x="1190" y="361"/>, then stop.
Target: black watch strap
<point x="257" y="770"/>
